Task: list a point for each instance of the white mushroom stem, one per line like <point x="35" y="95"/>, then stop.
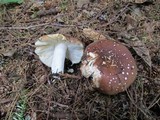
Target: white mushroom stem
<point x="59" y="58"/>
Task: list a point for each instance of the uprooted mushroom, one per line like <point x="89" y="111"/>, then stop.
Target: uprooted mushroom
<point x="111" y="66"/>
<point x="54" y="48"/>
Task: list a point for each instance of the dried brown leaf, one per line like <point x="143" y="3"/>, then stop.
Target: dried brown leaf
<point x="9" y="53"/>
<point x="137" y="14"/>
<point x="92" y="34"/>
<point x="64" y="30"/>
<point x="131" y="22"/>
<point x="80" y="3"/>
<point x="150" y="28"/>
<point x="138" y="45"/>
<point x="142" y="51"/>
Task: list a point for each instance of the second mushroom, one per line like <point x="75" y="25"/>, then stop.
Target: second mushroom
<point x="111" y="66"/>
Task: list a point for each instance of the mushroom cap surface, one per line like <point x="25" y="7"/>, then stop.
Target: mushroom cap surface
<point x="46" y="44"/>
<point x="111" y="65"/>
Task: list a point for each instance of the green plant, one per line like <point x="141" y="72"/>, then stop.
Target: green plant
<point x="64" y="4"/>
<point x="10" y="1"/>
<point x="20" y="109"/>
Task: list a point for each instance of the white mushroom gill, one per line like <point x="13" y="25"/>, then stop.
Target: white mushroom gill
<point x="59" y="58"/>
<point x="54" y="48"/>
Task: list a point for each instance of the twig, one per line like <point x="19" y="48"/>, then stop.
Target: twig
<point x="4" y="101"/>
<point x="49" y="105"/>
<point x="70" y="76"/>
<point x="29" y="95"/>
<point x="47" y="12"/>
<point x="59" y="104"/>
<point x="34" y="26"/>
<point x="53" y="102"/>
<point x="155" y="100"/>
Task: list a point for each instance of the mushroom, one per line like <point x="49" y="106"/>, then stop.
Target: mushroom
<point x="111" y="66"/>
<point x="54" y="48"/>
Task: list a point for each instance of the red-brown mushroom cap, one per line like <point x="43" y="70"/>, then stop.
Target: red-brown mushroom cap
<point x="111" y="65"/>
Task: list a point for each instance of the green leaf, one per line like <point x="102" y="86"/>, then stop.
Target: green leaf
<point x="10" y="1"/>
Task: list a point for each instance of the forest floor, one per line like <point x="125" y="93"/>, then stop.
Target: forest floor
<point x="27" y="89"/>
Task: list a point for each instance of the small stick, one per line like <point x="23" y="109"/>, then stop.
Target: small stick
<point x="70" y="76"/>
<point x="52" y="11"/>
<point x="34" y="26"/>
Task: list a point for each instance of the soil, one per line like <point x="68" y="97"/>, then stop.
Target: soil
<point x="27" y="88"/>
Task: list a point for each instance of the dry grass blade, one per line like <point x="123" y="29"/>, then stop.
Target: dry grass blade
<point x="12" y="105"/>
<point x="155" y="101"/>
<point x="138" y="107"/>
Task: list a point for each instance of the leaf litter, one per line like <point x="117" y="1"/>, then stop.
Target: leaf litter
<point x="73" y="97"/>
<point x="142" y="51"/>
